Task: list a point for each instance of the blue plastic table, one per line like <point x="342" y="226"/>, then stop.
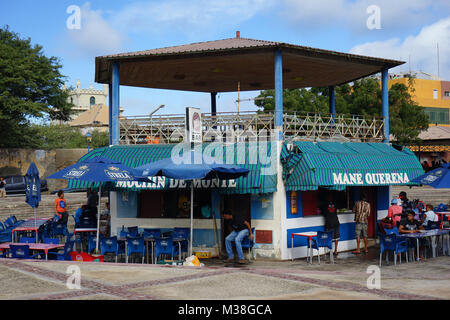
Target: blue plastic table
<point x="426" y="233"/>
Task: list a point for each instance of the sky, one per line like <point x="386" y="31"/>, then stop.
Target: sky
<point x="407" y="30"/>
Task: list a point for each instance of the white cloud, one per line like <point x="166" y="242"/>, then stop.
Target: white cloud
<point x="395" y="14"/>
<point x="96" y="35"/>
<point x="421" y="48"/>
<point x="188" y="16"/>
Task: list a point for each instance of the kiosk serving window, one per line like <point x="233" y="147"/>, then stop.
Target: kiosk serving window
<point x="314" y="200"/>
<point x="172" y="204"/>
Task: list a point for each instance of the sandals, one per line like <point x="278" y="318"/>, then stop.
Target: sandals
<point x="356" y="252"/>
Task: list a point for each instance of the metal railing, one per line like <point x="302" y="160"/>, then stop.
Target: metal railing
<point x="251" y="126"/>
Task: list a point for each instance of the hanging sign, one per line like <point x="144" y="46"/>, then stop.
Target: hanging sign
<point x="193" y="125"/>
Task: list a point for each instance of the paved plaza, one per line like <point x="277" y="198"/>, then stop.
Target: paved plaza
<point x="260" y="280"/>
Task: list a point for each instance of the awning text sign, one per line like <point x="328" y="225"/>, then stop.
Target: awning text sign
<point x="158" y="183"/>
<point x="370" y="178"/>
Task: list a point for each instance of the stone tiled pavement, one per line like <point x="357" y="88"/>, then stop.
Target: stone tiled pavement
<point x="262" y="279"/>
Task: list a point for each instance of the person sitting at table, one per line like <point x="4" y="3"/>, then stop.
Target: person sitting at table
<point x="429" y="215"/>
<point x="79" y="214"/>
<point x="395" y="212"/>
<point x="241" y="229"/>
<point x="411" y="225"/>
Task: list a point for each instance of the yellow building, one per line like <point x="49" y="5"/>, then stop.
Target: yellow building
<point x="431" y="94"/>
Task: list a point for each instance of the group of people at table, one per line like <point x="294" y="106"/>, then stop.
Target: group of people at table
<point x="410" y="217"/>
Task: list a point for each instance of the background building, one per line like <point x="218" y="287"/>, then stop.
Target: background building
<point x="430" y="92"/>
<point x="84" y="99"/>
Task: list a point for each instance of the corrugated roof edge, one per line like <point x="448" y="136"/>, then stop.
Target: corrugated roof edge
<point x="263" y="43"/>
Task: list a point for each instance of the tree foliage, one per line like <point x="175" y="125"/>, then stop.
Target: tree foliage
<point x="406" y="118"/>
<point x="65" y="137"/>
<point x="30" y="89"/>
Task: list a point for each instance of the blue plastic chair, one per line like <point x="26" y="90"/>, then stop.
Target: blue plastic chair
<point x="433" y="225"/>
<point x="394" y="230"/>
<point x="92" y="242"/>
<point x="135" y="245"/>
<point x="22" y="252"/>
<point x="401" y="247"/>
<point x="78" y="240"/>
<point x="164" y="246"/>
<point x="133" y="232"/>
<point x="182" y="233"/>
<point x="109" y="245"/>
<point x="323" y="240"/>
<point x="59" y="229"/>
<point x="27" y="240"/>
<point x="5" y="236"/>
<point x="64" y="255"/>
<point x="51" y="240"/>
<point x="152" y="234"/>
<point x="9" y="223"/>
<point x="388" y="243"/>
<point x="247" y="243"/>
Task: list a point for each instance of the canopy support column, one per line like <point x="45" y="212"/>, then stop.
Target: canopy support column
<point x="279" y="95"/>
<point x="385" y="103"/>
<point x="110" y="112"/>
<point x="115" y="103"/>
<point x="213" y="103"/>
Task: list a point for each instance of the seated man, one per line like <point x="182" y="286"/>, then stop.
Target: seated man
<point x="78" y="214"/>
<point x="429" y="215"/>
<point x="241" y="228"/>
<point x="410" y="225"/>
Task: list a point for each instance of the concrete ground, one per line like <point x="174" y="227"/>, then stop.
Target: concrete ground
<point x="260" y="280"/>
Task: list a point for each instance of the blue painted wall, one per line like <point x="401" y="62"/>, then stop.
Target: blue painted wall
<point x="127" y="209"/>
<point x="383" y="200"/>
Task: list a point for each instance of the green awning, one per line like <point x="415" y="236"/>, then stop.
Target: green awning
<point x="247" y="155"/>
<point x="336" y="165"/>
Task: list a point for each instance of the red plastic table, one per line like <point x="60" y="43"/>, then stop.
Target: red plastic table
<point x="30" y="225"/>
<point x="34" y="246"/>
<point x="309" y="235"/>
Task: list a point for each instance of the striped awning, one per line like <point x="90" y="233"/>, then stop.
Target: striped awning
<point x="336" y="165"/>
<point x="248" y="155"/>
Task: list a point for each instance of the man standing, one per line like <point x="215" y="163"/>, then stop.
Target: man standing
<point x="331" y="220"/>
<point x="362" y="212"/>
<point x="241" y="229"/>
<point x="2" y="188"/>
<point x="92" y="203"/>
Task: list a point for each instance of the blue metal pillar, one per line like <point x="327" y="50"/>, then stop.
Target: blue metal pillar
<point x="385" y="103"/>
<point x="279" y="94"/>
<point x="332" y="102"/>
<point x="110" y="112"/>
<point x="213" y="103"/>
<point x="115" y="96"/>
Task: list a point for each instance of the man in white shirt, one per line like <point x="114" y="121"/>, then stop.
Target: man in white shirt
<point x="429" y="215"/>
